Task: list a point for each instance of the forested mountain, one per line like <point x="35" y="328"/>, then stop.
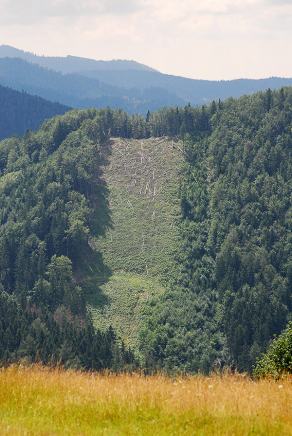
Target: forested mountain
<point x="227" y="290"/>
<point x="128" y="85"/>
<point x="20" y="112"/>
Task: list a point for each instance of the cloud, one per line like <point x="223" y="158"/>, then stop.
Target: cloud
<point x="279" y="2"/>
<point x="31" y="11"/>
<point x="197" y="38"/>
<point x="28" y="11"/>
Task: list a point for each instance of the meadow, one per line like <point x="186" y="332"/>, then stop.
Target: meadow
<point x="42" y="401"/>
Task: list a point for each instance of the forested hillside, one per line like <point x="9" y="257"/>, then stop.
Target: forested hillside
<point x="20" y="112"/>
<point x="73" y="235"/>
<point x="49" y="192"/>
<point x="234" y="290"/>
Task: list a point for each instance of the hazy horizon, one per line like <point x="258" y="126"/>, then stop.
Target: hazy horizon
<point x="214" y="40"/>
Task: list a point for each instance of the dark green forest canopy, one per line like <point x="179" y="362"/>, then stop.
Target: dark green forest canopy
<point x="231" y="291"/>
<point x="49" y="186"/>
<point x="234" y="290"/>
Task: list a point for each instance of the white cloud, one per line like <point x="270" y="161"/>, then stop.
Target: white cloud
<point x="27" y="11"/>
<point x="279" y="2"/>
<point x="198" y="38"/>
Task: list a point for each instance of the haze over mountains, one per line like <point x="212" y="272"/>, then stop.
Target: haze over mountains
<point x="131" y="86"/>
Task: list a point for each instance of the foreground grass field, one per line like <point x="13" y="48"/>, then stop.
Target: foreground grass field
<point x="38" y="401"/>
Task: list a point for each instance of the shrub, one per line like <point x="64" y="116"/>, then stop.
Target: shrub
<point x="278" y="358"/>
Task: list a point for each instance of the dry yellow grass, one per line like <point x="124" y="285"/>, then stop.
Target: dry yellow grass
<point x="39" y="401"/>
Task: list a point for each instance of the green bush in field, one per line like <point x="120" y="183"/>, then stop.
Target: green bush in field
<point x="278" y="358"/>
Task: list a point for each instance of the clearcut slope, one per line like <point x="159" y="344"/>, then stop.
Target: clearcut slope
<point x="143" y="181"/>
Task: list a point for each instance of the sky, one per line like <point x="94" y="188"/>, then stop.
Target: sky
<point x="203" y="39"/>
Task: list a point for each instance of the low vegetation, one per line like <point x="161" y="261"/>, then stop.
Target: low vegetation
<point x="121" y="302"/>
<point x="142" y="177"/>
<point x="38" y="401"/>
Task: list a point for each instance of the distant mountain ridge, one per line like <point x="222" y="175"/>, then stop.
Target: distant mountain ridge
<point x="72" y="64"/>
<point x="128" y="85"/>
<point x="79" y="91"/>
<point x="194" y="91"/>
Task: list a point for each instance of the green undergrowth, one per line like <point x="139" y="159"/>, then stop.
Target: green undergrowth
<point x="142" y="179"/>
<point x="120" y="304"/>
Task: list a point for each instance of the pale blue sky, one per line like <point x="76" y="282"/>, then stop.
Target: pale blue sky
<point x="211" y="39"/>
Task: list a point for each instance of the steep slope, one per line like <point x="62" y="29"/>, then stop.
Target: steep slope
<point x="142" y="177"/>
<point x="20" y="112"/>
